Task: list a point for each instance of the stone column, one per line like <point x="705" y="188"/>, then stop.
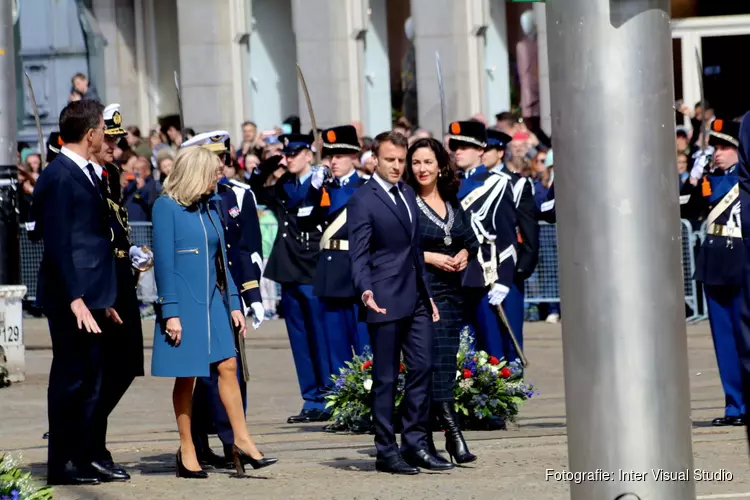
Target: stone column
<point x="540" y="18"/>
<point x="331" y="59"/>
<point x="205" y="41"/>
<point x="449" y="28"/>
<point x="116" y="20"/>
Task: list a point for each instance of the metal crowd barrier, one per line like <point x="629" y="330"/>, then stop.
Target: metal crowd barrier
<point x="542" y="287"/>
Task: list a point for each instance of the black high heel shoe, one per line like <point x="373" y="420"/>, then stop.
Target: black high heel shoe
<point x="241" y="458"/>
<point x="186" y="473"/>
<point x="455" y="444"/>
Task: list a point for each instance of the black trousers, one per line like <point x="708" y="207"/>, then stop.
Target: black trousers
<point x="209" y="415"/>
<point x="75" y="382"/>
<point x="414" y="336"/>
<point x="122" y="356"/>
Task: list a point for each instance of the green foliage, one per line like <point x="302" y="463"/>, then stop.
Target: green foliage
<point x="487" y="390"/>
<point x="18" y="485"/>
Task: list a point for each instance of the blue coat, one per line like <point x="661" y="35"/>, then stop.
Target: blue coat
<point x="181" y="267"/>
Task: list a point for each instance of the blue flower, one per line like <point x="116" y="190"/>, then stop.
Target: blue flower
<point x="14" y="495"/>
<point x="340" y="382"/>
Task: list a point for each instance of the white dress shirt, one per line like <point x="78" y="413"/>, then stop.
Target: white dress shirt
<point x="388" y="186"/>
<point x="82" y="162"/>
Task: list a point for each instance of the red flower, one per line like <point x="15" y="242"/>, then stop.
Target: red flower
<point x="402" y="368"/>
<point x="493" y="360"/>
<point x="505" y="372"/>
<point x="367" y="364"/>
<point x="104" y="173"/>
<point x="467" y="373"/>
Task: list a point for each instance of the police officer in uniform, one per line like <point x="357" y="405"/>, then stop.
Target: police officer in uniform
<point x="333" y="280"/>
<point x="527" y="227"/>
<point x="239" y="217"/>
<point x="488" y="200"/>
<point x="292" y="264"/>
<point x="122" y="344"/>
<point x="720" y="264"/>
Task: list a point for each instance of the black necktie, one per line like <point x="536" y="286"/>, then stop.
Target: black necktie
<point x="401" y="205"/>
<point x="94" y="178"/>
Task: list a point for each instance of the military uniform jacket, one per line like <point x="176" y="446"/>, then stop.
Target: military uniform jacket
<point x="693" y="206"/>
<point x="239" y="216"/>
<point x="333" y="275"/>
<point x="528" y="223"/>
<point x="295" y="251"/>
<point x="124" y="344"/>
<point x="487" y="199"/>
<point x="722" y="255"/>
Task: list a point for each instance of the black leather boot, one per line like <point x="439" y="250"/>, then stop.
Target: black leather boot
<point x="455" y="444"/>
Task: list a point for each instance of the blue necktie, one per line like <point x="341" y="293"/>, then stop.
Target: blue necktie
<point x="401" y="205"/>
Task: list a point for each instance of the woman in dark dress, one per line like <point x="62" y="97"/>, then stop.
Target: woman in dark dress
<point x="448" y="242"/>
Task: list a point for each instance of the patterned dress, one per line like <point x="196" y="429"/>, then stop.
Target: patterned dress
<point x="446" y="289"/>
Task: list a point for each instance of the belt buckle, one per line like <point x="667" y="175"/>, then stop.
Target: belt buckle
<point x="335" y="244"/>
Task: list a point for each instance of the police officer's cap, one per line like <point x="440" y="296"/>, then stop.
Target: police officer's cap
<point x="497" y="139"/>
<point x="340" y="140"/>
<point x="294" y="143"/>
<point x="470" y="133"/>
<point x="113" y="121"/>
<point x="216" y="141"/>
<point x="724" y="132"/>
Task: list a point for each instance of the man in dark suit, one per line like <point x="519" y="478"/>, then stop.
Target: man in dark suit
<point x="388" y="271"/>
<point x="77" y="288"/>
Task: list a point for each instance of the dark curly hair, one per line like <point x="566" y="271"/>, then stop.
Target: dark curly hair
<point x="447" y="181"/>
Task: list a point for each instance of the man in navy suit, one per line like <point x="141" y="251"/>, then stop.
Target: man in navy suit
<point x="77" y="288"/>
<point x="388" y="271"/>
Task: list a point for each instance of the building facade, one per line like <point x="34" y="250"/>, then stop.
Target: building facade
<point x="362" y="59"/>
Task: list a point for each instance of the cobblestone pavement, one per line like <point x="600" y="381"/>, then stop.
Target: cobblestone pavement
<point x="317" y="465"/>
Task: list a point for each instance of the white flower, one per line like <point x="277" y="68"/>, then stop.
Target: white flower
<point x="458" y="374"/>
<point x="367" y="384"/>
<point x="466" y="384"/>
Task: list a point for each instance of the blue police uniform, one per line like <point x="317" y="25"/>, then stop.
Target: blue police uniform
<point x="719" y="267"/>
<point x="292" y="264"/>
<point x="333" y="283"/>
<point x="488" y="200"/>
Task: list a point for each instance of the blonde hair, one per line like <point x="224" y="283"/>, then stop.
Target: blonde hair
<point x="195" y="168"/>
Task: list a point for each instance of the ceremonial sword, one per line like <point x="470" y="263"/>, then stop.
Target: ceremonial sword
<point x="179" y="101"/>
<point x="504" y="318"/>
<point x="441" y="87"/>
<point x="703" y="99"/>
<point x="312" y="115"/>
<point x="37" y="120"/>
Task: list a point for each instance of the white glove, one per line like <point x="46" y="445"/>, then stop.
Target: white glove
<point x="140" y="259"/>
<point x="259" y="314"/>
<point x="497" y="294"/>
<point x="702" y="159"/>
<point x="319" y="175"/>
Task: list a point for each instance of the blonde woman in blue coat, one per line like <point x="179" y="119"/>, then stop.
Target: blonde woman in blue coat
<point x="198" y="304"/>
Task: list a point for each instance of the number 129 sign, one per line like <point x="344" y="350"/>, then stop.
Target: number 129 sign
<point x="10" y="334"/>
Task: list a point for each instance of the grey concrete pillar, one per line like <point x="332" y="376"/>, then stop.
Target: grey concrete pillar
<point x="624" y="337"/>
<point x="205" y="41"/>
<point x="331" y="59"/>
<point x="446" y="26"/>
